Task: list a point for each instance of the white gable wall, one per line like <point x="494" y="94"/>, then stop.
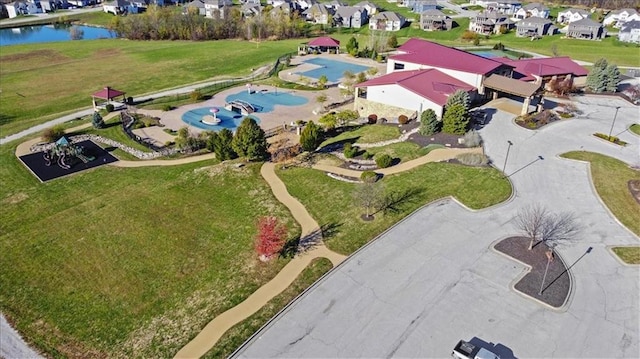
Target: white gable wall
<point x="395" y="95"/>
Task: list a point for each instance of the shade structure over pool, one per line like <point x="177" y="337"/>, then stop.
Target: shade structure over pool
<point x="109" y="95"/>
<point x="324" y="41"/>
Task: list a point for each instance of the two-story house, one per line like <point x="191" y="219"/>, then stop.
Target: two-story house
<point x="630" y="32"/>
<point x="350" y="16"/>
<point x="507" y="7"/>
<point x="371" y="8"/>
<point x="317" y="14"/>
<point x="532" y="10"/>
<point x="419" y="6"/>
<point x="490" y="22"/>
<point x="571" y="15"/>
<point x="387" y="21"/>
<point x="534" y="27"/>
<point x="195" y="6"/>
<point x="586" y="29"/>
<point x="617" y="18"/>
<point x="120" y="7"/>
<point x="22" y="8"/>
<point x="435" y="20"/>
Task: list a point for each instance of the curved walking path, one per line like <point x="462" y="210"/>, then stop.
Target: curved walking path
<point x="212" y="332"/>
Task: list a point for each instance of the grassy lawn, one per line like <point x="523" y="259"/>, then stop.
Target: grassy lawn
<point x="331" y="202"/>
<point x="365" y="134"/>
<point x="136" y="67"/>
<point x="629" y="255"/>
<point x="610" y="178"/>
<point x="237" y="335"/>
<point x="635" y="128"/>
<point x="118" y="262"/>
<point x="405" y="151"/>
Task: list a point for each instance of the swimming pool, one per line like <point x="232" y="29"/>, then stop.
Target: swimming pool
<point x="490" y="53"/>
<point x="229" y="119"/>
<point x="332" y="69"/>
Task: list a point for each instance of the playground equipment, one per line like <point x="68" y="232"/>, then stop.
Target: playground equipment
<point x="243" y="107"/>
<point x="63" y="152"/>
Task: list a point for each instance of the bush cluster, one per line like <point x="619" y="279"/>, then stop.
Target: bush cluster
<point x="403" y="120"/>
<point x="350" y="151"/>
<point x="372" y="119"/>
<point x="383" y="160"/>
<point x="473" y="159"/>
<point x="472" y="139"/>
<point x="368" y="176"/>
<point x="53" y="134"/>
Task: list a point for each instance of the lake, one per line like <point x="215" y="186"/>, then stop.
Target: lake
<point x="49" y="33"/>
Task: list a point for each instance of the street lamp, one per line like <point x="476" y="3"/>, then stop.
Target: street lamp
<point x="507" y="156"/>
<point x="549" y="255"/>
<point x="613" y="123"/>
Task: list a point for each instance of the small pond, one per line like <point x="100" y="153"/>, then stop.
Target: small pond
<point x="50" y="33"/>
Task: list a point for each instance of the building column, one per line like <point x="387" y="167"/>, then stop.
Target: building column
<point x="495" y="95"/>
<point x="525" y="105"/>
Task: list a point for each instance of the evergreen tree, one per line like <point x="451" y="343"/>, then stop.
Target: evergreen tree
<point x="352" y="46"/>
<point x="612" y="78"/>
<point x="455" y="120"/>
<point x="429" y="123"/>
<point x="310" y="138"/>
<point x="459" y="97"/>
<point x="97" y="121"/>
<point x="222" y="145"/>
<point x="250" y="141"/>
<point x="596" y="79"/>
<point x="392" y="42"/>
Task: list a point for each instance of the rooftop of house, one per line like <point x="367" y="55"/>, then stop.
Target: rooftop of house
<point x="630" y="25"/>
<point x="324" y="41"/>
<point x="574" y="10"/>
<point x="525" y="69"/>
<point x="388" y="16"/>
<point x="433" y="13"/>
<point x="620" y="11"/>
<point x="347" y="11"/>
<point x="533" y="20"/>
<point x="585" y="22"/>
<point x="425" y="52"/>
<point x="430" y="83"/>
<point x="535" y="5"/>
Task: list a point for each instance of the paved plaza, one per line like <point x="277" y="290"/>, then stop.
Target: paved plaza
<point x="434" y="279"/>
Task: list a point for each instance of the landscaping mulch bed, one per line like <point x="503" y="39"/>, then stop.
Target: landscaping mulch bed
<point x="445" y="139"/>
<point x="538" y="120"/>
<point x="634" y="188"/>
<point x="557" y="284"/>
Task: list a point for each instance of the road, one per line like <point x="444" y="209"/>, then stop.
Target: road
<point x="433" y="279"/>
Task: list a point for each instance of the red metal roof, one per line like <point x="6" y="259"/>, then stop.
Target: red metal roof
<point x="547" y="66"/>
<point x="424" y="52"/>
<point x="430" y="83"/>
<point x="108" y="93"/>
<point x="324" y="41"/>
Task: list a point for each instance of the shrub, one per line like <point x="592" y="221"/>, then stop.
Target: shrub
<point x="109" y="107"/>
<point x="167" y="107"/>
<point x="53" y="134"/>
<point x="367" y="156"/>
<point x="350" y="151"/>
<point x="130" y="100"/>
<point x="383" y="160"/>
<point x="403" y="120"/>
<point x="472" y="159"/>
<point x="472" y="139"/>
<point x="196" y="96"/>
<point x="310" y="138"/>
<point x="455" y="120"/>
<point x="372" y="119"/>
<point x="369" y="176"/>
<point x="429" y="123"/>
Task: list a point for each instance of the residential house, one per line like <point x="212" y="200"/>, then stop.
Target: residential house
<point x="617" y="18"/>
<point x="249" y="9"/>
<point x="350" y="16"/>
<point x="586" y="29"/>
<point x="317" y="14"/>
<point x="334" y="4"/>
<point x="435" y="20"/>
<point x="534" y="27"/>
<point x="371" y="8"/>
<point x="571" y="15"/>
<point x="387" y="21"/>
<point x="305" y="4"/>
<point x="120" y="7"/>
<point x="48" y="5"/>
<point x="490" y="22"/>
<point x="195" y="6"/>
<point x="507" y="7"/>
<point x="407" y="93"/>
<point x="284" y="8"/>
<point x="81" y="3"/>
<point x="532" y="10"/>
<point x="22" y="8"/>
<point x="630" y="32"/>
<point x="215" y="9"/>
<point x="419" y="6"/>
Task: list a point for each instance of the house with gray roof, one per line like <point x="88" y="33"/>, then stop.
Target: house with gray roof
<point x="317" y="14"/>
<point x="350" y="16"/>
<point x="371" y="8"/>
<point x="534" y="27"/>
<point x="507" y="7"/>
<point x="387" y="21"/>
<point x="532" y="10"/>
<point x="490" y="22"/>
<point x="586" y="29"/>
<point x="617" y="18"/>
<point x="571" y="15"/>
<point x="435" y="20"/>
<point x="630" y="32"/>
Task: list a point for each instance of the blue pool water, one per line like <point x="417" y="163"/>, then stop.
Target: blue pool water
<point x="264" y="100"/>
<point x="230" y="120"/>
<point x="332" y="69"/>
<point x="48" y="33"/>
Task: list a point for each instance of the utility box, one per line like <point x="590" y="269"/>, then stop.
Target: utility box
<point x="466" y="350"/>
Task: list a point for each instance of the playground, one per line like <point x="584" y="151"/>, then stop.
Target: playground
<point x="64" y="158"/>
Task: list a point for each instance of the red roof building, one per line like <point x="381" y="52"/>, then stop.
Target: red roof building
<point x="324" y="41"/>
<point x="107" y="93"/>
<point x="530" y="69"/>
<point x="109" y="96"/>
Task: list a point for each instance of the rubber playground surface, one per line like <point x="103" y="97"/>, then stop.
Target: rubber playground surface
<point x="37" y="165"/>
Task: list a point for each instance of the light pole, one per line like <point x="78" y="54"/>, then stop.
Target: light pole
<point x="613" y="123"/>
<point x="504" y="167"/>
<point x="549" y="254"/>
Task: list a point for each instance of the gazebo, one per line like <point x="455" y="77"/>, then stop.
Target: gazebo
<point x="320" y="44"/>
<point x="109" y="96"/>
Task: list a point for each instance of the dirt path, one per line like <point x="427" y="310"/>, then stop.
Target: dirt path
<point x="212" y="332"/>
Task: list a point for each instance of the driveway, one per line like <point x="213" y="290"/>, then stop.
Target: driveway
<point x="433" y="279"/>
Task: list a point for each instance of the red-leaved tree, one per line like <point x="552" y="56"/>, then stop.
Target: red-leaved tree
<point x="270" y="238"/>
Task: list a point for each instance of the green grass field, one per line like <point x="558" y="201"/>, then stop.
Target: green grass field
<point x="610" y="178"/>
<point x="365" y="134"/>
<point x="332" y="204"/>
<point x="629" y="255"/>
<point x="635" y="128"/>
<point x="118" y="262"/>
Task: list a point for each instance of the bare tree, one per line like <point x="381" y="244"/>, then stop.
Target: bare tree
<point x="369" y="196"/>
<point x="530" y="220"/>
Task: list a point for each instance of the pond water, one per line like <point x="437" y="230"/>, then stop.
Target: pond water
<point x="49" y="33"/>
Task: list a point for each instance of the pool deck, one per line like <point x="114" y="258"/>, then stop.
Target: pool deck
<point x="293" y="74"/>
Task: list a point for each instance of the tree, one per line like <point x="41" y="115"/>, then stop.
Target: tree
<point x="372" y="71"/>
<point x="459" y="97"/>
<point x="361" y="77"/>
<point x="250" y="141"/>
<point x="345" y="116"/>
<point x="530" y="220"/>
<point x="329" y="121"/>
<point x="96" y="120"/>
<point x="352" y="46"/>
<point x="596" y="79"/>
<point x="369" y="195"/>
<point x="455" y="120"/>
<point x="612" y="78"/>
<point x="392" y="42"/>
<point x="542" y="226"/>
<point x="53" y="134"/>
<point x="429" y="123"/>
<point x="221" y="144"/>
<point x="270" y="238"/>
<point x="322" y="81"/>
<point x="321" y="99"/>
<point x="310" y="138"/>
